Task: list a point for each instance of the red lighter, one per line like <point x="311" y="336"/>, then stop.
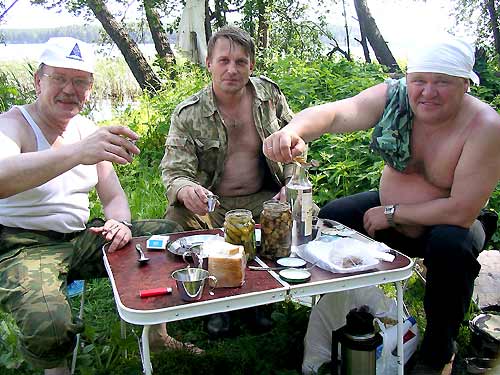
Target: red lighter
<point x="154" y="292"/>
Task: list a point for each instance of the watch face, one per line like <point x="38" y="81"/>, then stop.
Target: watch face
<point x="389" y="210"/>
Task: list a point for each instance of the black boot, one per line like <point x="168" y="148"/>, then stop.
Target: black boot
<point x="258" y="319"/>
<point x="219" y="325"/>
<point x="488" y="219"/>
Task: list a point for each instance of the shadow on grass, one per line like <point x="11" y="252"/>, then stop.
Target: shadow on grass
<point x="278" y="351"/>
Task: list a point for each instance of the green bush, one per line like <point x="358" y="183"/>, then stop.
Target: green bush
<point x="13" y="91"/>
<point x="346" y="167"/>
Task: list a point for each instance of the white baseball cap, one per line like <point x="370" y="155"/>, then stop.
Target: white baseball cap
<point x="67" y="52"/>
<point x="445" y="54"/>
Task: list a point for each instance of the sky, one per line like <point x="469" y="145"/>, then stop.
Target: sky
<point x="400" y="21"/>
<point x="24" y="15"/>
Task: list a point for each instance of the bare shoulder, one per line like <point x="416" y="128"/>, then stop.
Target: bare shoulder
<point x="13" y="125"/>
<point x="485" y="118"/>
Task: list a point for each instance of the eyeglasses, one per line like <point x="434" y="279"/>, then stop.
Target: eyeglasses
<point x="81" y="84"/>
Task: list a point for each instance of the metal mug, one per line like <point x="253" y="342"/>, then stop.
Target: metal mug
<point x="212" y="202"/>
<point x="190" y="283"/>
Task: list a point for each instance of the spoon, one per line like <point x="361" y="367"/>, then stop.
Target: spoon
<point x="258" y="268"/>
<point x="143" y="259"/>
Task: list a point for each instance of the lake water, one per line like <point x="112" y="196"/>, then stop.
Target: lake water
<point x="27" y="52"/>
<point x="105" y="109"/>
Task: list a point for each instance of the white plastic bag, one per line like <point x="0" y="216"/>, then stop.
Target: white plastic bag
<point x="344" y="254"/>
<point x="387" y="363"/>
<point x="330" y="314"/>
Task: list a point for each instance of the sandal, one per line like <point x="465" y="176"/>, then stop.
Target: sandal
<point x="169" y="343"/>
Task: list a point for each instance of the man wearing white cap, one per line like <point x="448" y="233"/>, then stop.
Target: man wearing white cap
<point x="440" y="147"/>
<point x="50" y="159"/>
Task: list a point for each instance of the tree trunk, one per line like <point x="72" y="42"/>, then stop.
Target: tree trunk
<point x="160" y="37"/>
<point x="364" y="43"/>
<point x="490" y="5"/>
<point x="263" y="28"/>
<point x="208" y="28"/>
<point x="136" y="61"/>
<point x="379" y="46"/>
<point x="348" y="42"/>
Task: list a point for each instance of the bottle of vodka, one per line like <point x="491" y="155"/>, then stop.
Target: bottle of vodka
<point x="299" y="196"/>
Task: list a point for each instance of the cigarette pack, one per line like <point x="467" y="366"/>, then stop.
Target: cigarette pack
<point x="157" y="242"/>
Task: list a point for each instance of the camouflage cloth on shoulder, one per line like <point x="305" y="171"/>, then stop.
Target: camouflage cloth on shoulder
<point x="391" y="135"/>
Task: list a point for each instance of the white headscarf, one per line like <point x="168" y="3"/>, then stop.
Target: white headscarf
<point x="445" y="54"/>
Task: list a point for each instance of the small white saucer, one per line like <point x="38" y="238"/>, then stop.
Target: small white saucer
<point x="295" y="275"/>
<point x="291" y="262"/>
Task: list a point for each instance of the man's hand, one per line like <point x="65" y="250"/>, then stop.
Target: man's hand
<point x="374" y="219"/>
<point x="194" y="199"/>
<point x="110" y="143"/>
<point x="283" y="146"/>
<point x="281" y="196"/>
<point x="115" y="231"/>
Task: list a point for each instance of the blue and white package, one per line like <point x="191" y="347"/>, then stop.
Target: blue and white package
<point x="157" y="242"/>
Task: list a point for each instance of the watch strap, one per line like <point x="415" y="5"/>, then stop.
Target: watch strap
<point x="389" y="214"/>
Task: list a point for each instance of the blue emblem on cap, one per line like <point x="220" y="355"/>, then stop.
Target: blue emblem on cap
<point x="75" y="53"/>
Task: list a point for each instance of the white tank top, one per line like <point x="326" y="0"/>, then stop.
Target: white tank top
<point x="61" y="204"/>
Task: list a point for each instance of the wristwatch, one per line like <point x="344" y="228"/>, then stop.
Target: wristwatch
<point x="389" y="214"/>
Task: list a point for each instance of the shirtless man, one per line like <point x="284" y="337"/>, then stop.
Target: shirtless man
<point x="214" y="146"/>
<point x="434" y="182"/>
<point x="215" y="138"/>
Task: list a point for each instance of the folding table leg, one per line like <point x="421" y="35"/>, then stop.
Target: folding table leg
<point x="401" y="361"/>
<point x="147" y="367"/>
<point x="123" y="335"/>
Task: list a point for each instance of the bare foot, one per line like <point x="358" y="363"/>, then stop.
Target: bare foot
<point x="169" y="343"/>
<point x="159" y="340"/>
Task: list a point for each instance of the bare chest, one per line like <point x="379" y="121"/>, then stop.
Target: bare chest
<point x="243" y="137"/>
<point x="435" y="155"/>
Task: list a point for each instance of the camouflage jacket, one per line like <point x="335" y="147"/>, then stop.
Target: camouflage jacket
<point x="196" y="144"/>
<point x="392" y="134"/>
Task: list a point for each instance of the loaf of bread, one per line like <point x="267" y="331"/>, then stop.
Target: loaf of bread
<point x="227" y="263"/>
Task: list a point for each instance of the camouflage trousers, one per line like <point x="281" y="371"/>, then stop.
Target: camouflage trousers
<point x="36" y="267"/>
<point x="190" y="221"/>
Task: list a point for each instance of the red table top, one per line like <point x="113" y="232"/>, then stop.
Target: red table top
<point x="130" y="278"/>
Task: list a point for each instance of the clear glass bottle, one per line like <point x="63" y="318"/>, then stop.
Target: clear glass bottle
<point x="239" y="229"/>
<point x="299" y="196"/>
<point x="276" y="229"/>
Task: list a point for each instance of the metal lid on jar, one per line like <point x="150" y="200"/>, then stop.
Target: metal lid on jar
<point x="276" y="205"/>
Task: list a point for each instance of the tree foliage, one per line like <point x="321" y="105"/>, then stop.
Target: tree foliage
<point x="483" y="17"/>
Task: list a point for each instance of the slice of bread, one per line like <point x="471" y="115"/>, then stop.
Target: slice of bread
<point x="220" y="248"/>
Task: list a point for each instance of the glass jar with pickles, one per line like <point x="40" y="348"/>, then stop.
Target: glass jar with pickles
<point x="239" y="229"/>
<point x="276" y="229"/>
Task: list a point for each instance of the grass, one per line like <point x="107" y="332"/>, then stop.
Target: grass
<point x="276" y="352"/>
<point x="346" y="168"/>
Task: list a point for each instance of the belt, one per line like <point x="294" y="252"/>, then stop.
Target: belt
<point x="46" y="233"/>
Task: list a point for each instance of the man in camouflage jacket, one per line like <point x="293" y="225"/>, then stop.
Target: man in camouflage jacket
<point x="215" y="140"/>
